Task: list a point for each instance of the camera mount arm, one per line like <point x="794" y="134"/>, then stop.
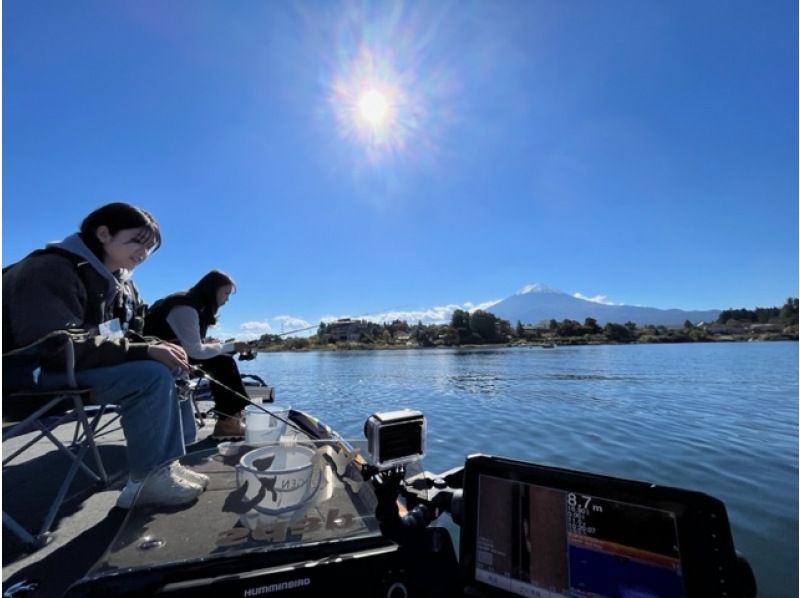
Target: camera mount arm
<point x="426" y="495"/>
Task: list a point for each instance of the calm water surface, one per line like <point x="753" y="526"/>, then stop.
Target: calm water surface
<point x="719" y="418"/>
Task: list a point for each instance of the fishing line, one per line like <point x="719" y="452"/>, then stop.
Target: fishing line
<point x="199" y="371"/>
<point x="361" y="317"/>
<point x="298" y="330"/>
<point x="203" y="374"/>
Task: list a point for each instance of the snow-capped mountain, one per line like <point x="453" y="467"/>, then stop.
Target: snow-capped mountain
<point x="537" y="302"/>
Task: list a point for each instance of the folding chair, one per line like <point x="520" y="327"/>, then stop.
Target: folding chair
<point x="26" y="408"/>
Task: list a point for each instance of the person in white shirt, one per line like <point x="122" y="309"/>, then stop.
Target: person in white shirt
<point x="184" y="317"/>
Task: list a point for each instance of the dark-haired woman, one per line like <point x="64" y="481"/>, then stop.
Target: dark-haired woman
<point x="184" y="318"/>
<point x="83" y="284"/>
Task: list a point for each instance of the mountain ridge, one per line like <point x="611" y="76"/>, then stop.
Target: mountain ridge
<point x="538" y="302"/>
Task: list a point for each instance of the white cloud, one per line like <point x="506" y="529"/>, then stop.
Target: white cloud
<point x="485" y="305"/>
<point x="283" y="324"/>
<point x="433" y="315"/>
<point x="290" y="323"/>
<point x="262" y="327"/>
<point x="595" y="299"/>
<point x="278" y="325"/>
<point x="252" y="330"/>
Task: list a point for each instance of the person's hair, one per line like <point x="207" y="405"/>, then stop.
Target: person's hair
<point x="118" y="216"/>
<point x="205" y="291"/>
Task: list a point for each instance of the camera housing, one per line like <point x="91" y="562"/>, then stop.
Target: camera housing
<point x="395" y="438"/>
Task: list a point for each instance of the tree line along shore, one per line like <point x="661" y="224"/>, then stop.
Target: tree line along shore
<point x="483" y="328"/>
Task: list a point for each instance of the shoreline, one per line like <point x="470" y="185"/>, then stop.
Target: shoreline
<point x="542" y="343"/>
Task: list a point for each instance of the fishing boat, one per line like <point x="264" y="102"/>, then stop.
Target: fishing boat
<point x="255" y="386"/>
<point x="297" y="510"/>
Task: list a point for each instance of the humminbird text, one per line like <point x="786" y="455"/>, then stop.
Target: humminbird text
<point x="277" y="587"/>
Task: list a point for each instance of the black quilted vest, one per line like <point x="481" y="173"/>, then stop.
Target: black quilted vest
<point x="156" y="322"/>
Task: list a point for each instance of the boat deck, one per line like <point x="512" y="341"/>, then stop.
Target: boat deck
<point x="88" y="520"/>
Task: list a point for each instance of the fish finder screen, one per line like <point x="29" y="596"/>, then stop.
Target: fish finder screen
<point x="545" y="542"/>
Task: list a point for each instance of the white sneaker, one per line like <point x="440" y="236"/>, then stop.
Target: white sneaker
<point x="125" y="498"/>
<point x="190" y="475"/>
<point x="162" y="488"/>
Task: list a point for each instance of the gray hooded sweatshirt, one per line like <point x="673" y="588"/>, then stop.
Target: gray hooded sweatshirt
<point x="47" y="292"/>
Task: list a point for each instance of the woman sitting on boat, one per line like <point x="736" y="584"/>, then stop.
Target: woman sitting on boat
<point x="184" y="317"/>
<point x="82" y="284"/>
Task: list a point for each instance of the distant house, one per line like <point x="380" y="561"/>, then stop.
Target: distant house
<point x="765" y="328"/>
<point x="402" y="337"/>
<point x="714" y="327"/>
<point x="346" y="329"/>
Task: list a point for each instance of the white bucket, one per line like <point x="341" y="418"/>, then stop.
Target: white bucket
<point x="282" y="474"/>
<point x="261" y="427"/>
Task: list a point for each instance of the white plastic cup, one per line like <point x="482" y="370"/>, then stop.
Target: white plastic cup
<point x="262" y="427"/>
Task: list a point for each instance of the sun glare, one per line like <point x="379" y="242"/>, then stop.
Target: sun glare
<point x="377" y="106"/>
<point x="389" y="91"/>
<point x="373" y="107"/>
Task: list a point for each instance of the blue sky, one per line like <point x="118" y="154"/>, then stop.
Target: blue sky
<point x="639" y="152"/>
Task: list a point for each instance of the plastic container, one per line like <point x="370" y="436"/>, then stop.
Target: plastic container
<point x="261" y="427"/>
<point x="260" y="394"/>
<point x="283" y="475"/>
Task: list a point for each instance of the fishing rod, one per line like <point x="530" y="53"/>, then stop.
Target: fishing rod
<point x="201" y="373"/>
<point x="298" y="330"/>
<point x="361" y="317"/>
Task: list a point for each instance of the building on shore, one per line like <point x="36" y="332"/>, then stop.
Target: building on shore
<point x="347" y="329"/>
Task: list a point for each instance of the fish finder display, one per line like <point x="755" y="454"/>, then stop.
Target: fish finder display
<point x="545" y="542"/>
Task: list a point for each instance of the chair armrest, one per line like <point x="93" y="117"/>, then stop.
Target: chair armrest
<point x="25" y="360"/>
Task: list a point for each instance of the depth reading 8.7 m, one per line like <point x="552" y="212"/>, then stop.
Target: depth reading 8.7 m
<point x="578" y="507"/>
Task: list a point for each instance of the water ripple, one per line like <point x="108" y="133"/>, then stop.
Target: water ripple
<point x="717" y="418"/>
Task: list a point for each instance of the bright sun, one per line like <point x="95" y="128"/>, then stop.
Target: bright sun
<point x="373" y="107"/>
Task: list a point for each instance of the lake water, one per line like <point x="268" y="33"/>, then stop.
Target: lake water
<point x="720" y="418"/>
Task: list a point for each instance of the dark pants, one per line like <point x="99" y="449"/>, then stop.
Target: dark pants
<point x="224" y="369"/>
